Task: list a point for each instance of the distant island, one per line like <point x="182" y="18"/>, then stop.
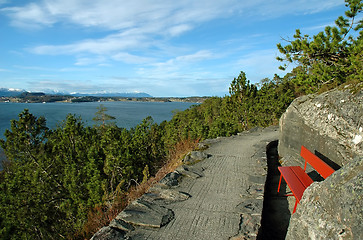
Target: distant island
<point x="22" y="96"/>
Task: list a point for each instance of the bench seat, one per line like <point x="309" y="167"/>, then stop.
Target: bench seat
<point x="296" y="179"/>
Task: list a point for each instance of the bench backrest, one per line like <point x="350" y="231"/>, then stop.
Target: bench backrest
<point x="319" y="165"/>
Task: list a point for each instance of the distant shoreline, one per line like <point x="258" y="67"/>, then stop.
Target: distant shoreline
<point x="72" y="99"/>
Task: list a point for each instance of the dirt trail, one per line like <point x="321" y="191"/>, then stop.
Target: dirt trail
<point x="227" y="201"/>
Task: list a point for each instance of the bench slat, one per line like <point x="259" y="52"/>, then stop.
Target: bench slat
<point x="302" y="176"/>
<point x="319" y="165"/>
<point x="296" y="186"/>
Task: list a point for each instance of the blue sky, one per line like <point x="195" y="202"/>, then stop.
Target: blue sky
<point x="161" y="47"/>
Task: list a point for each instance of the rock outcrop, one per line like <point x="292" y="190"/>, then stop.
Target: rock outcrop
<point x="331" y="124"/>
<point x="331" y="209"/>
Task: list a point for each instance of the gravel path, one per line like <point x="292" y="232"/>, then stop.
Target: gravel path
<point x="227" y="202"/>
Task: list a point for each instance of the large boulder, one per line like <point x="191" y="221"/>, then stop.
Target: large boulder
<point x="330" y="125"/>
<point x="331" y="209"/>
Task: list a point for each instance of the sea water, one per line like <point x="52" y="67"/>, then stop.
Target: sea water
<point x="128" y="114"/>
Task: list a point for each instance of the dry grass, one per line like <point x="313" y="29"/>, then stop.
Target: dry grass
<point x="102" y="215"/>
<point x="174" y="160"/>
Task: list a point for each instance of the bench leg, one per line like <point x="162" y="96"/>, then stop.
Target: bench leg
<point x="278" y="189"/>
<point x="295" y="207"/>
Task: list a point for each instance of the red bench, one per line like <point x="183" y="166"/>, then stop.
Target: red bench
<point x="297" y="179"/>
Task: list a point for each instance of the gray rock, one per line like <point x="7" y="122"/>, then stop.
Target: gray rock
<point x="249" y="227"/>
<point x="190" y="171"/>
<point x="121" y="225"/>
<point x="143" y="213"/>
<point x="331" y="209"/>
<point x="194" y="157"/>
<point x="250" y="206"/>
<point x="203" y="146"/>
<point x="255" y="190"/>
<point x="161" y="195"/>
<point x="170" y="179"/>
<point x="330" y="125"/>
<point x="173" y="195"/>
<point x="108" y="233"/>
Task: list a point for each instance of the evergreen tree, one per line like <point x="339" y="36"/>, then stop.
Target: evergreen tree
<point x="333" y="56"/>
<point x="102" y="116"/>
<point x="30" y="189"/>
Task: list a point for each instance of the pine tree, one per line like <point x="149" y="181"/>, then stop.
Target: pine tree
<point x="102" y="116"/>
<point x="333" y="56"/>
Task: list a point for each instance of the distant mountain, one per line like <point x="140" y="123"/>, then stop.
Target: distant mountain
<point x="131" y="95"/>
<point x="5" y="92"/>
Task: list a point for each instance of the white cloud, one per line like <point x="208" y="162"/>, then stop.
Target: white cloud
<point x="319" y="27"/>
<point x="173" y="16"/>
<point x="198" y="56"/>
<point x="76" y="69"/>
<point x="106" y="45"/>
<point x="179" y="29"/>
<point x="83" y="61"/>
<point x="29" y="16"/>
<point x="142" y="24"/>
<point x="117" y="14"/>
<point x="259" y="64"/>
<point x="131" y="59"/>
<point x="176" y="67"/>
<point x="33" y="68"/>
<point x="62" y="85"/>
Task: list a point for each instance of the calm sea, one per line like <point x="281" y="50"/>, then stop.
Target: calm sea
<point x="127" y="114"/>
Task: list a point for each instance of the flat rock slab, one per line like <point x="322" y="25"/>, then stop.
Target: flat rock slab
<point x="162" y="196"/>
<point x="148" y="214"/>
<point x="225" y="202"/>
<point x="190" y="171"/>
<point x="108" y="233"/>
<point x="121" y="225"/>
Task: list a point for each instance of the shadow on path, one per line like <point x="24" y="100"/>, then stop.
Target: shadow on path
<point x="275" y="213"/>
